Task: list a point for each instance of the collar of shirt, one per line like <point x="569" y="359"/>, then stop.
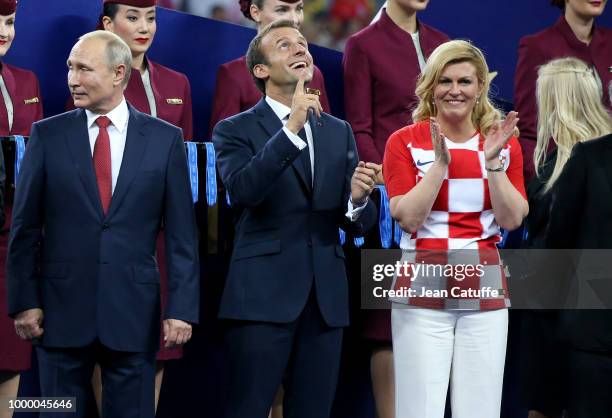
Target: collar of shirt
<point x="118" y="116"/>
<point x="280" y="110"/>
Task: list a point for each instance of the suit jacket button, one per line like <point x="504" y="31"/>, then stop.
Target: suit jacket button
<point x="105" y="227"/>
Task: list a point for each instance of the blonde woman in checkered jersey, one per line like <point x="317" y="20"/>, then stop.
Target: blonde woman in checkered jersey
<point x="454" y="178"/>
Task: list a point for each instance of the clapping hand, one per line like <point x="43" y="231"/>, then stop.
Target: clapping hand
<point x="441" y="153"/>
<point x="498" y="136"/>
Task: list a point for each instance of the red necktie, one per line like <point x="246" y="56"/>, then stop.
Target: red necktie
<point x="102" y="163"/>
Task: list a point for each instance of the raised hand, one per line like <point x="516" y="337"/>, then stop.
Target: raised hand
<point x="498" y="136"/>
<point x="441" y="152"/>
<point x="300" y="105"/>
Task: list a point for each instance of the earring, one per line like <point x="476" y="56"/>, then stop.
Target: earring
<point x="478" y="100"/>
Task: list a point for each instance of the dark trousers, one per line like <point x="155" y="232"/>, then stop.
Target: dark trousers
<point x="304" y="355"/>
<point x="590" y="384"/>
<point x="128" y="380"/>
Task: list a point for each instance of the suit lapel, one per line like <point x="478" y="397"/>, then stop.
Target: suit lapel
<point x="77" y="141"/>
<point x="272" y="124"/>
<point x="135" y="145"/>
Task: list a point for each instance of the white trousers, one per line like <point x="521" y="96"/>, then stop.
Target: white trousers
<point x="431" y="347"/>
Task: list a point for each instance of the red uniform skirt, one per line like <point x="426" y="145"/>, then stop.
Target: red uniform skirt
<point x="15" y="353"/>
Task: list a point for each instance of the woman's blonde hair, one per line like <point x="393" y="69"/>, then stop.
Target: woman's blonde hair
<point x="570" y="110"/>
<point x="484" y="113"/>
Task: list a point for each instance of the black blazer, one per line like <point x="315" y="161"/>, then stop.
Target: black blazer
<point x="539" y="204"/>
<point x="95" y="275"/>
<point x="581" y="218"/>
<point x="286" y="231"/>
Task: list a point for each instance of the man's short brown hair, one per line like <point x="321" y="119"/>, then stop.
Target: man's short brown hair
<point x="255" y="56"/>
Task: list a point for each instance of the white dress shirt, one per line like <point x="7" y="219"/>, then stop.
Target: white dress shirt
<point x="146" y="82"/>
<point x="117" y="132"/>
<point x="283" y="111"/>
<point x="419" y="50"/>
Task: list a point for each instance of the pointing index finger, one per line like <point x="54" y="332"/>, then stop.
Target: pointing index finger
<point x="299" y="87"/>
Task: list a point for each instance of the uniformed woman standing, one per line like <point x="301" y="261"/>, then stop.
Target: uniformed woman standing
<point x="20" y="106"/>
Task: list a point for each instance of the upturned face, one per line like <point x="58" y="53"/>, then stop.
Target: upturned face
<point x="286" y="52"/>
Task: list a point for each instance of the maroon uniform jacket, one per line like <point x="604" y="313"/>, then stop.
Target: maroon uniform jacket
<point x="381" y="68"/>
<point x="380" y="73"/>
<point x="557" y="41"/>
<point x="172" y="96"/>
<point x="235" y="91"/>
<point x="23" y="88"/>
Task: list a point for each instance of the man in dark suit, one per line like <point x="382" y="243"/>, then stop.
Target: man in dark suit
<point x="293" y="177"/>
<point x="581" y="218"/>
<point x="83" y="282"/>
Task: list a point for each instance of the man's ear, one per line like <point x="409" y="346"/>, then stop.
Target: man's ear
<point x="120" y="74"/>
<point x="261" y="71"/>
<point x="255" y="12"/>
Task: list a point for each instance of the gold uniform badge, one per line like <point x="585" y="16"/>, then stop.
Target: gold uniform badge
<point x="31" y="101"/>
<point x="174" y="101"/>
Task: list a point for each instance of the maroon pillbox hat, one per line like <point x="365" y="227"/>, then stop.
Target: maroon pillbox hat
<point x="8" y="7"/>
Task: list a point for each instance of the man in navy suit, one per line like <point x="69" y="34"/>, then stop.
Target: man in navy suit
<point x="83" y="283"/>
<point x="293" y="177"/>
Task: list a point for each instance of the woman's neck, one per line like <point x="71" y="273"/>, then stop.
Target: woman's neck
<point x="139" y="63"/>
<point x="457" y="131"/>
<point x="580" y="25"/>
<point x="406" y="20"/>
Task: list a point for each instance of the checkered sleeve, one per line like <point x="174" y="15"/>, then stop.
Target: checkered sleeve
<point x="399" y="170"/>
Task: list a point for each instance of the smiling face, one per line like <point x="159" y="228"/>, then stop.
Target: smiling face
<point x="287" y="57"/>
<point x="7" y="33"/>
<point x="273" y="10"/>
<point x="456" y="92"/>
<point x="135" y="25"/>
<point x="586" y="9"/>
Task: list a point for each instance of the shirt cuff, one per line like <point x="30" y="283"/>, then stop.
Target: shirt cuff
<point x="297" y="141"/>
<point x="354" y="211"/>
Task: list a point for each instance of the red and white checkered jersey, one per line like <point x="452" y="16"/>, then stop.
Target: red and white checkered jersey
<point x="461" y="218"/>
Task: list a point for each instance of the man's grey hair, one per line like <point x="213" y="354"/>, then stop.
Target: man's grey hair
<point x="117" y="51"/>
